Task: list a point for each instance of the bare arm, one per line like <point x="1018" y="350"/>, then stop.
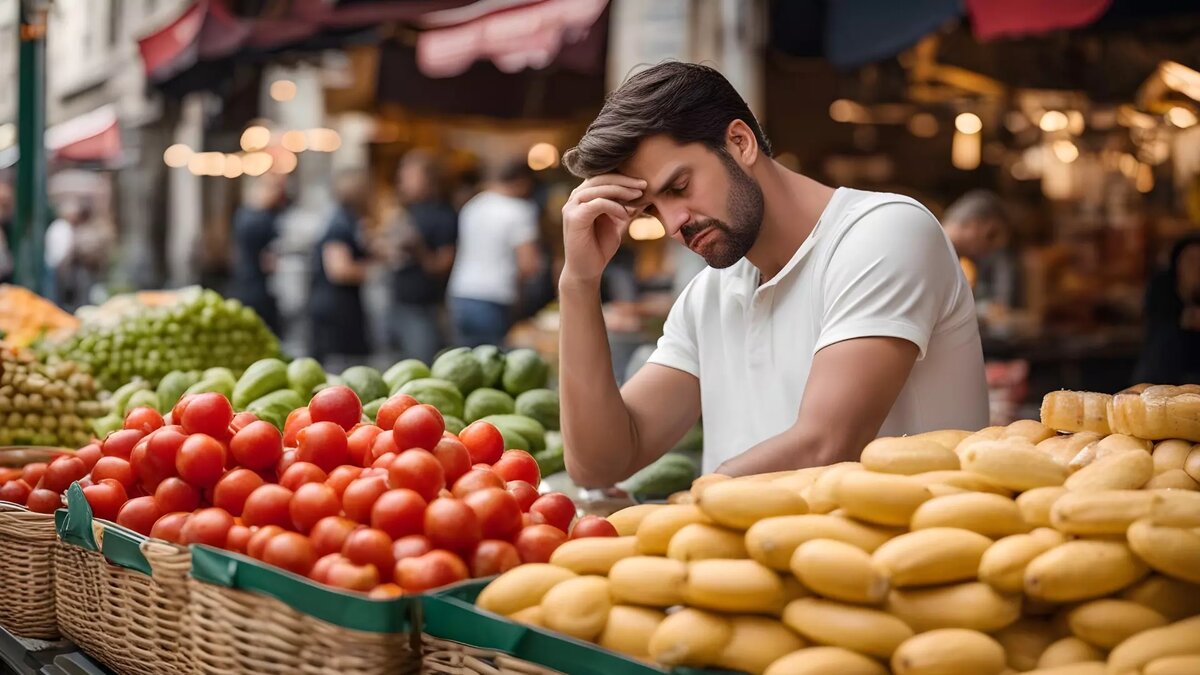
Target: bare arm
<point x="340" y="265"/>
<point x="850" y="390"/>
<point x="529" y="260"/>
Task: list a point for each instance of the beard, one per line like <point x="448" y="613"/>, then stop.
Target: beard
<point x="733" y="240"/>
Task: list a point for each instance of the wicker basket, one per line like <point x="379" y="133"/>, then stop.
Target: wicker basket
<point x="443" y="657"/>
<point x="124" y="618"/>
<point x="233" y="631"/>
<point x="27" y="542"/>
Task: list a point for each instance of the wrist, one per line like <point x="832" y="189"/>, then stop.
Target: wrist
<point x="569" y="280"/>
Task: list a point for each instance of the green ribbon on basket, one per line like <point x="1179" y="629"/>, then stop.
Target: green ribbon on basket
<point x="75" y="527"/>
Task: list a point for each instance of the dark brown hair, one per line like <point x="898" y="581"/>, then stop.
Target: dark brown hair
<point x="689" y="102"/>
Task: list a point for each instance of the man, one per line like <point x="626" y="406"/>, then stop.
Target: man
<point x="255" y="229"/>
<point x="978" y="226"/>
<point x="427" y="232"/>
<point x="827" y="317"/>
<point x="341" y="263"/>
<point x="497" y="251"/>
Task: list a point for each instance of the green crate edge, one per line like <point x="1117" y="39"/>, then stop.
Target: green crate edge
<point x="450" y="614"/>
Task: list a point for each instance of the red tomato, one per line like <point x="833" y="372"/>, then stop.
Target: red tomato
<point x="320" y="569"/>
<point x="207" y="526"/>
<point x="174" y="494"/>
<point x="518" y="465"/>
<point x="419" y="471"/>
<point x="452" y="525"/>
<point x="323" y="444"/>
<point x="233" y="489"/>
<point x="290" y="551"/>
<point x="201" y="459"/>
<point x="145" y="419"/>
<point x="286" y="460"/>
<point x="44" y="501"/>
<point x="311" y="503"/>
<point x="300" y="473"/>
<point x="537" y="542"/>
<point x="484" y="441"/>
<point x="432" y="570"/>
<point x="106" y="499"/>
<point x="342" y="476"/>
<point x="153" y="458"/>
<point x="369" y="546"/>
<point x="384" y="444"/>
<point x="498" y="513"/>
<point x="63" y="471"/>
<point x="169" y="526"/>
<point x="593" y="526"/>
<point x="238" y="539"/>
<point x="391" y="409"/>
<point x="257" y="445"/>
<point x="260" y="537"/>
<point x="113" y="467"/>
<point x="360" y="495"/>
<point x="329" y="534"/>
<point x="15" y="491"/>
<point x="525" y="493"/>
<point x="296" y="420"/>
<point x="209" y="413"/>
<point x="352" y="577"/>
<point x="420" y="426"/>
<point x="338" y="404"/>
<point x="399" y="512"/>
<point x="242" y="420"/>
<point x="454" y="458"/>
<point x="476" y="479"/>
<point x="384" y="461"/>
<point x="180" y="406"/>
<point x="89" y="453"/>
<point x="386" y="592"/>
<point x="268" y="505"/>
<point x="556" y="509"/>
<point x="359" y="443"/>
<point x="411" y="546"/>
<point x="32" y="473"/>
<point x="492" y="556"/>
<point x="120" y="443"/>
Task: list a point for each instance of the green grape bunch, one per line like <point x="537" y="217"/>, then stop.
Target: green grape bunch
<point x="200" y="331"/>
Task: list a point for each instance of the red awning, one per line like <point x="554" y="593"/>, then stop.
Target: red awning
<point x="992" y="19"/>
<point x="91" y="137"/>
<point x="517" y="36"/>
<point x="173" y="47"/>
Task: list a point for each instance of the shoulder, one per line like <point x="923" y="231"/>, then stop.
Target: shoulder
<point x="877" y="222"/>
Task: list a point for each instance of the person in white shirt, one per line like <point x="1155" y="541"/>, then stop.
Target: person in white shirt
<point x="826" y="317"/>
<point x="497" y="250"/>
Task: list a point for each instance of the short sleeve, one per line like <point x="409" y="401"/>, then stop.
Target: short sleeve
<point x="892" y="275"/>
<point x="678" y="347"/>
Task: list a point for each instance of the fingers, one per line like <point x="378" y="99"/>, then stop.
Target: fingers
<point x="621" y="193"/>
<point x="589" y="212"/>
<point x="612" y="179"/>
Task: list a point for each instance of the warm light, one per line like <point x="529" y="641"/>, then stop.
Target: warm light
<point x="233" y="166"/>
<point x="1181" y="117"/>
<point x="923" y="125"/>
<point x="283" y="90"/>
<point x="1145" y="179"/>
<point x="255" y="138"/>
<point x="177" y="156"/>
<point x="968" y="123"/>
<point x="1065" y="151"/>
<point x="646" y="228"/>
<point x="1021" y="171"/>
<point x="323" y="140"/>
<point x="294" y="141"/>
<point x="1155" y="151"/>
<point x="1131" y="117"/>
<point x="1128" y="165"/>
<point x="1075" y="122"/>
<point x="1181" y="78"/>
<point x="542" y="156"/>
<point x="845" y="110"/>
<point x="207" y="163"/>
<point x="1054" y="120"/>
<point x="1015" y="121"/>
<point x="285" y="162"/>
<point x="257" y="163"/>
<point x="966" y="150"/>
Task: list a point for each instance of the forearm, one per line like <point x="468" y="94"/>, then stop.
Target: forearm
<point x="598" y="432"/>
<point x="796" y="448"/>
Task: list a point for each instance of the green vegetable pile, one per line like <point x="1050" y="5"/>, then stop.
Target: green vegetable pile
<point x="45" y="404"/>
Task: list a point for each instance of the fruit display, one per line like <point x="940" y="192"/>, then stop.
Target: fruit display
<point x="395" y="506"/>
<point x="150" y="336"/>
<point x="1010" y="549"/>
<point x="26" y="317"/>
<point x="45" y="404"/>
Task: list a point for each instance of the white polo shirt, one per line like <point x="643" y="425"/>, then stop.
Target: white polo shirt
<point x="876" y="264"/>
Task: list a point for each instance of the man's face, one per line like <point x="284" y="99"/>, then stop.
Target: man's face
<point x="703" y="198"/>
<point x="412" y="180"/>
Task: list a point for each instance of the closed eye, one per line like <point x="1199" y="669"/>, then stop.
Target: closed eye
<point x="678" y="190"/>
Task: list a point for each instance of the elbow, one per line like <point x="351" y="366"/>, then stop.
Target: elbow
<point x="586" y="474"/>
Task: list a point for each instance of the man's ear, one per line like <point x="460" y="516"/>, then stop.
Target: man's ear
<point x="741" y="143"/>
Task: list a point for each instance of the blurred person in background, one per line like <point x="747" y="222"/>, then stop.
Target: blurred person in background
<point x="978" y="225"/>
<point x="427" y="230"/>
<point x="255" y="227"/>
<point x="340" y="264"/>
<point x="7" y="254"/>
<point x="62" y="279"/>
<point x="497" y="251"/>
<point x="1171" y="346"/>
